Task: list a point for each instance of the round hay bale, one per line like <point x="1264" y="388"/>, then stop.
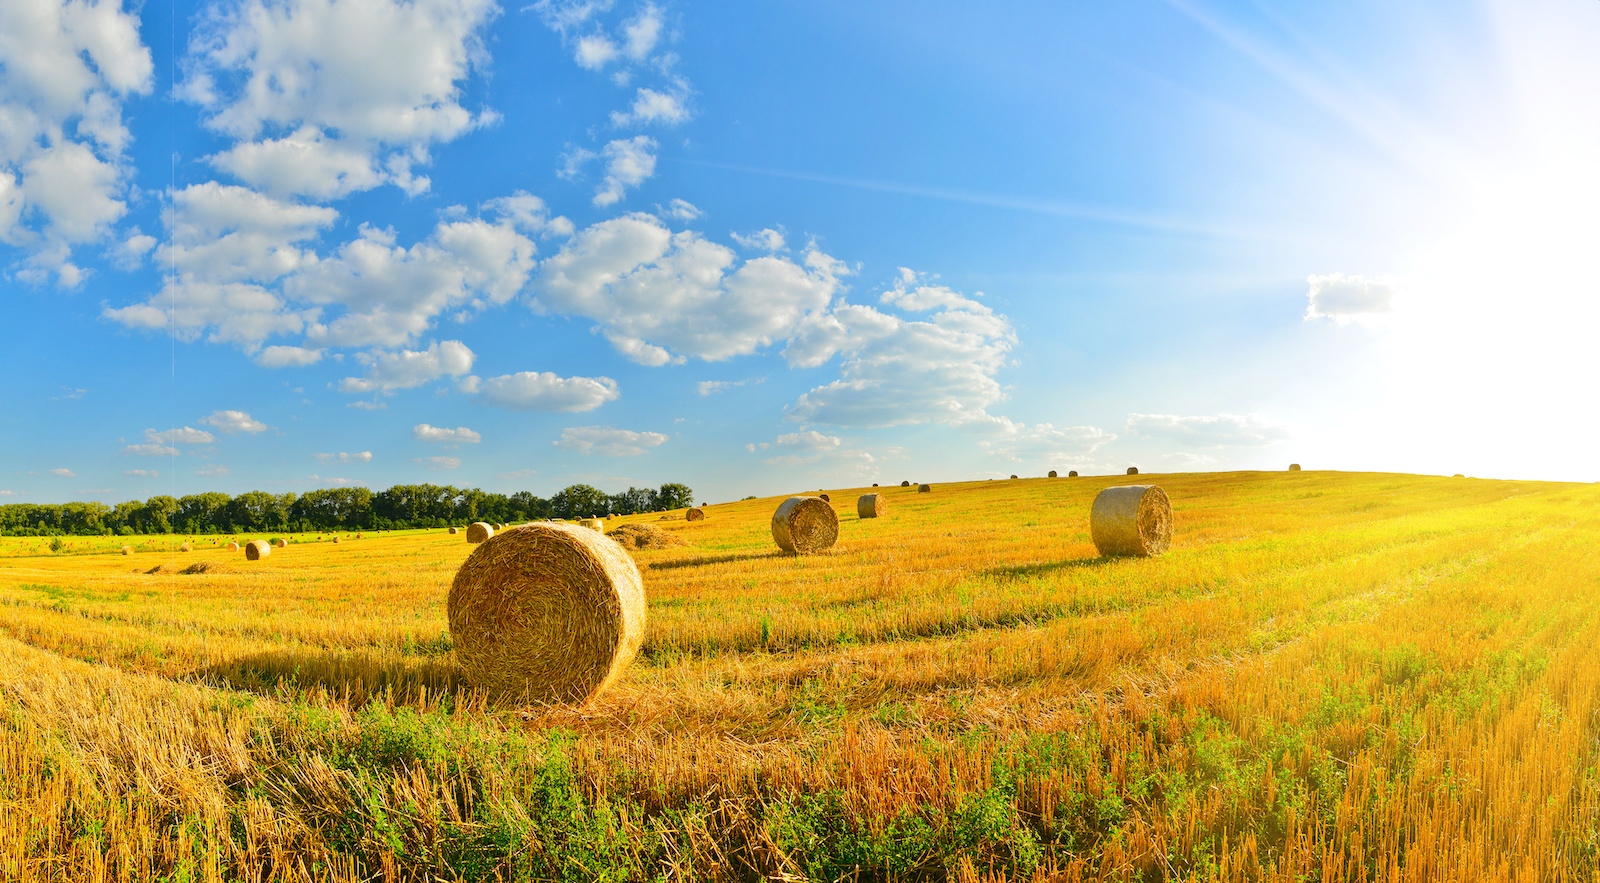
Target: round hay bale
<point x="1294" y="467"/>
<point x="1458" y="475"/>
<point x="1072" y="474"/>
<point x="127" y="550"/>
<point x="924" y="488"/>
<point x="255" y="550"/>
<point x="1013" y="475"/>
<point x="871" y="505"/>
<point x="874" y="484"/>
<point x="281" y="543"/>
<point x="546" y="613"/>
<point x="479" y="531"/>
<point x="338" y="539"/>
<point x="1131" y="520"/>
<point x="905" y="484"/>
<point x="186" y="548"/>
<point x="233" y="547"/>
<point x="455" y="530"/>
<point x="694" y="514"/>
<point x="804" y="524"/>
<point x="592" y="524"/>
<point x="1133" y="470"/>
<point x="824" y="498"/>
<point x="1052" y="473"/>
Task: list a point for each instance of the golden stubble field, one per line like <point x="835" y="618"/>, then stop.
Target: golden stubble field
<point x="1331" y="676"/>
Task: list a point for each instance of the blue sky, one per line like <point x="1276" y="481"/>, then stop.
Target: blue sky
<point x="759" y="248"/>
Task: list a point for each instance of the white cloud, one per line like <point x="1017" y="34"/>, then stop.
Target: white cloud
<point x="900" y="371"/>
<point x="652" y="106"/>
<point x="440" y="435"/>
<point x="8" y="493"/>
<point x="629" y="163"/>
<point x="1044" y="443"/>
<point x="761" y="240"/>
<point x="233" y="422"/>
<point x="712" y="387"/>
<point x="1342" y="298"/>
<point x="810" y="440"/>
<point x="642" y="32"/>
<point x="405" y="369"/>
<point x="653" y="293"/>
<point x="73" y="393"/>
<point x="1218" y="431"/>
<point x="542" y="391"/>
<point x="129" y="254"/>
<point x="63" y="172"/>
<point x="150" y="449"/>
<point x="142" y="473"/>
<point x="516" y="474"/>
<point x="187" y="435"/>
<point x="212" y="471"/>
<point x="344" y="457"/>
<point x="564" y="16"/>
<point x="368" y="406"/>
<point x="304" y="163"/>
<point x="288" y="357"/>
<point x="439" y="462"/>
<point x="595" y="51"/>
<point x="607" y="442"/>
<point x="64" y="473"/>
<point x="681" y="210"/>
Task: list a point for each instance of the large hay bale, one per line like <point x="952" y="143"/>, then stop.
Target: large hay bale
<point x="1131" y="520"/>
<point x="479" y="531"/>
<point x="255" y="550"/>
<point x="1133" y="470"/>
<point x="924" y="488"/>
<point x="455" y="530"/>
<point x="694" y="514"/>
<point x="905" y="484"/>
<point x="1052" y="473"/>
<point x="1294" y="467"/>
<point x="127" y="550"/>
<point x="281" y="543"/>
<point x="233" y="547"/>
<point x="804" y="524"/>
<point x="1072" y="474"/>
<point x="871" y="505"/>
<point x="546" y="613"/>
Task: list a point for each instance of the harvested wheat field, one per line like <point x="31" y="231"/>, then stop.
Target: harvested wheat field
<point x="1325" y="677"/>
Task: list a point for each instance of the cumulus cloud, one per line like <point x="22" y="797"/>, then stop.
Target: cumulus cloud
<point x="186" y="435"/>
<point x="233" y="422"/>
<point x="712" y="387"/>
<point x="810" y="440"/>
<point x="629" y="163"/>
<point x="654" y="293"/>
<point x="439" y="462"/>
<point x="150" y="449"/>
<point x="1249" y="430"/>
<point x="211" y="471"/>
<point x="344" y="457"/>
<point x="288" y="357"/>
<point x="604" y="441"/>
<point x="651" y="106"/>
<point x="368" y="406"/>
<point x="1043" y="443"/>
<point x="895" y="370"/>
<point x="1342" y="298"/>
<point x="541" y="391"/>
<point x="405" y="369"/>
<point x="64" y="473"/>
<point x="761" y="240"/>
<point x="440" y="435"/>
<point x="63" y="170"/>
<point x="142" y="473"/>
<point x="681" y="210"/>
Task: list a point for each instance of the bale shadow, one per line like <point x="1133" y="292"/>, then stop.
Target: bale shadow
<point x="1024" y="571"/>
<point x="352" y="678"/>
<point x="718" y="559"/>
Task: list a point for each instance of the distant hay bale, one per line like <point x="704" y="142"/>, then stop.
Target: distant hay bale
<point x="546" y="613"/>
<point x="281" y="543"/>
<point x="1072" y="474"/>
<point x="824" y="498"/>
<point x="479" y="531"/>
<point x="592" y="524"/>
<point x="874" y="484"/>
<point x="1131" y="520"/>
<point x="905" y="484"/>
<point x="127" y="550"/>
<point x="1294" y="467"/>
<point x="233" y="547"/>
<point x="1133" y="470"/>
<point x="200" y="567"/>
<point x="645" y="536"/>
<point x="924" y="488"/>
<point x="694" y="514"/>
<point x="1458" y="475"/>
<point x="871" y="505"/>
<point x="186" y="548"/>
<point x="255" y="550"/>
<point x="338" y="539"/>
<point x="455" y="530"/>
<point x="1052" y="473"/>
<point x="1013" y="475"/>
<point x="804" y="524"/>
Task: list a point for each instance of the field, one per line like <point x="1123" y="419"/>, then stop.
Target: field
<point x="1331" y="676"/>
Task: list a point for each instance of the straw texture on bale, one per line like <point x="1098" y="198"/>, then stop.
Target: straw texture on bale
<point x="233" y="547"/>
<point x="255" y="550"/>
<point x="1072" y="474"/>
<point x="546" y="613"/>
<point x="592" y="524"/>
<point x="1131" y="520"/>
<point x="695" y="514"/>
<point x="804" y="524"/>
<point x="282" y="543"/>
<point x="186" y="548"/>
<point x="871" y="505"/>
<point x="479" y="531"/>
<point x="905" y="484"/>
<point x="1294" y="467"/>
<point x="645" y="536"/>
<point x="127" y="550"/>
<point x="338" y="539"/>
<point x="1052" y="473"/>
<point x="924" y="488"/>
<point x="1133" y="470"/>
<point x="455" y="530"/>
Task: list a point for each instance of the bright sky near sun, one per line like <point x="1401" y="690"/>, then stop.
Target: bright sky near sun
<point x="759" y="247"/>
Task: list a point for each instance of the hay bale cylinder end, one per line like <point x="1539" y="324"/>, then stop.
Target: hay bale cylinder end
<point x="1294" y="467"/>
<point x="1131" y="520"/>
<point x="1133" y="470"/>
<point x="1072" y="474"/>
<point x="1052" y="473"/>
<point x="804" y="524"/>
<point x="479" y="531"/>
<point x="546" y="613"/>
<point x="695" y="514"/>
<point x="282" y="543"/>
<point x="255" y="550"/>
<point x="924" y="488"/>
<point x="233" y="547"/>
<point x="905" y="484"/>
<point x="871" y="505"/>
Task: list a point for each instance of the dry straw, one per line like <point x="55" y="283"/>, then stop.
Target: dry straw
<point x="455" y="530"/>
<point x="1131" y="520"/>
<point x="824" y="498"/>
<point x="233" y="547"/>
<point x="1294" y="467"/>
<point x="592" y="524"/>
<point x="546" y="613"/>
<point x="186" y="548"/>
<point x="905" y="484"/>
<point x="695" y="514"/>
<point x="924" y="488"/>
<point x="1133" y="470"/>
<point x="338" y="539"/>
<point x="871" y="505"/>
<point x="282" y="543"/>
<point x="645" y="536"/>
<point x="1013" y="475"/>
<point x="127" y="550"/>
<point x="1052" y="473"/>
<point x="804" y="524"/>
<point x="479" y="531"/>
<point x="255" y="550"/>
<point x="1072" y="474"/>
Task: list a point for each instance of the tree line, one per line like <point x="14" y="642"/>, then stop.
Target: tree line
<point x="347" y="508"/>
